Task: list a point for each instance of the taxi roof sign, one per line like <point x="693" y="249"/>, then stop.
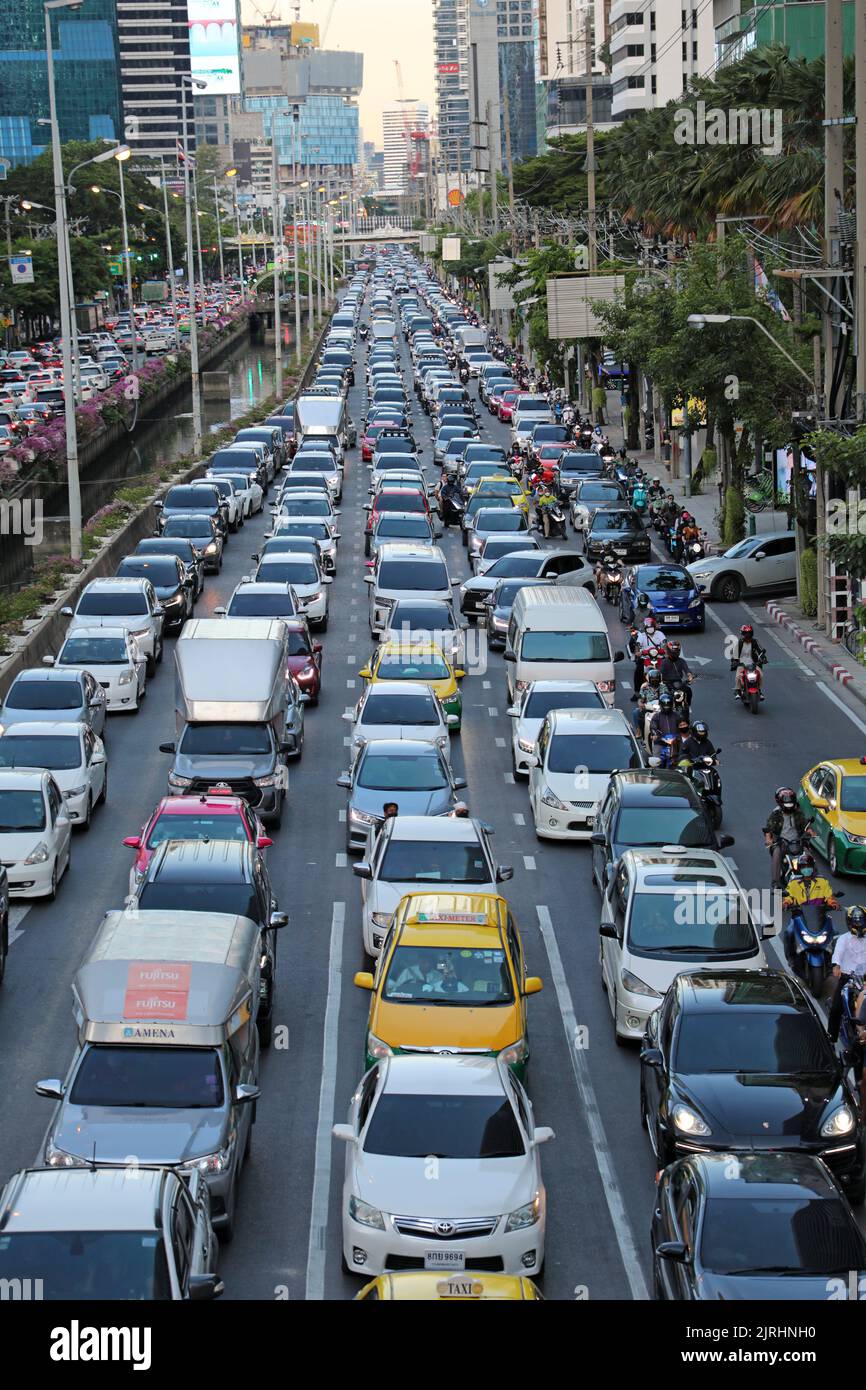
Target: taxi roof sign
<point x="470" y="919"/>
<point x="457" y="1287"/>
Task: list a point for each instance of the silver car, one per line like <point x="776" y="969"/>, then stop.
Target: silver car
<point x="413" y="775"/>
<point x="71" y="752"/>
<point x="68" y="696"/>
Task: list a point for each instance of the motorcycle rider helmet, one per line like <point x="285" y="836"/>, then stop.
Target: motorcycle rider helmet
<point x="785" y="799"/>
<point x="643" y="601"/>
<point x="747" y="632"/>
<point x="805" y="865"/>
<point x="650" y="623"/>
<point x="686" y="518"/>
<point x="700" y="729"/>
<point x="855" y="920"/>
<point x="673" y="649"/>
<point x="654" y="677"/>
<point x="666" y="702"/>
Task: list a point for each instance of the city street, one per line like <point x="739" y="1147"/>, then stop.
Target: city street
<point x="599" y="1170"/>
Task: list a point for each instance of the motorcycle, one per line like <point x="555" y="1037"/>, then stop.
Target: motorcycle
<point x="665" y="750"/>
<point x="703" y="773"/>
<point x="555" y="520"/>
<point x="452" y="510"/>
<point x="611" y="578"/>
<point x="849" y="1029"/>
<point x="809" y="940"/>
<point x="750" y="694"/>
<point x="363" y="332"/>
<point x="791" y="851"/>
<point x="695" y="550"/>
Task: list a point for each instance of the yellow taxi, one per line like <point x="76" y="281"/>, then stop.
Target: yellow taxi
<point x="504" y="486"/>
<point x="833" y="794"/>
<point x="451" y="976"/>
<point x="418" y="661"/>
<point x="420" y="1285"/>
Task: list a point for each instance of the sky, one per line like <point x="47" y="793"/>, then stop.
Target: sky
<point x="380" y="29"/>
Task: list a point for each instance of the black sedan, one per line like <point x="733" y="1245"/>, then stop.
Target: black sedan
<point x="769" y="1226"/>
<point x="616" y="530"/>
<point x="739" y="1060"/>
<point x="648" y="806"/>
<point x="174" y="585"/>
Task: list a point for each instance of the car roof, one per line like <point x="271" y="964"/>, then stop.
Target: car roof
<point x="433" y="829"/>
<point x="91" y="632"/>
<point x="651" y="786"/>
<point x="407" y="550"/>
<point x="22" y="778"/>
<point x="216" y="804"/>
<point x="686" y="863"/>
<point x="83" y="1199"/>
<point x="419" y="688"/>
<point x="546" y="687"/>
<point x="719" y="991"/>
<point x="204" y="861"/>
<point x="437" y="1075"/>
<point x="128" y="585"/>
<point x="589" y="721"/>
<point x="72" y="728"/>
<point x="401" y="748"/>
<point x="266" y="586"/>
<point x="49" y="673"/>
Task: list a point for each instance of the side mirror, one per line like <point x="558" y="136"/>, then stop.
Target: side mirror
<point x="619" y="656"/>
<point x="285" y="747"/>
<point x="509" y="656"/>
<point x="366" y="673"/>
<point x="369" y="578"/>
<point x="362" y="869"/>
<point x="262" y="842"/>
<point x="652" y="1057"/>
<point x="532" y="761"/>
<point x="364" y="979"/>
<point x="345" y="781"/>
<point x="245" y="1093"/>
<point x="52" y="1089"/>
<point x="609" y="930"/>
<point x="541" y="1134"/>
<point x="761" y="555"/>
<point x="654" y="762"/>
<point x="166" y="748"/>
<point x="132" y="842"/>
<point x="533" y="984"/>
<point x="597" y="838"/>
<point x="277" y="920"/>
<point x="459" y="673"/>
<point x="48" y="661"/>
<point x="513" y="712"/>
<point x="725" y="841"/>
<point x="344" y="1132"/>
<point x="220" y="612"/>
<point x="673" y="1250"/>
<point x="66" y="611"/>
<point x="460" y="783"/>
<point x="204" y="1287"/>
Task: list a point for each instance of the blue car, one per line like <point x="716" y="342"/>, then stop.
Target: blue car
<point x="675" y="599"/>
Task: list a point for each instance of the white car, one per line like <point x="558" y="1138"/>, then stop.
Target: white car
<point x="230" y="495"/>
<point x="129" y="603"/>
<point x="399" y="1214"/>
<point x="495" y="547"/>
<point x="248" y="488"/>
<point x="533" y="704"/>
<point x="569" y="770"/>
<point x="157" y="342"/>
<point x="667" y="911"/>
<point x="399" y="709"/>
<point x="113" y="657"/>
<point x="72" y="753"/>
<point x="35" y="832"/>
<point x="764" y="562"/>
<point x="306" y="578"/>
<point x="412" y="853"/>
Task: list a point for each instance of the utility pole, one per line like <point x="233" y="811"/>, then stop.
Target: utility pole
<point x="506" y="111"/>
<point x="590" y="148"/>
<point x="860" y="202"/>
<point x="296" y="116"/>
<point x="834" y="173"/>
<point x="278" y="249"/>
<point x="168" y="253"/>
<point x="493" y="163"/>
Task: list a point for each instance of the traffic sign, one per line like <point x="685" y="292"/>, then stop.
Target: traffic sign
<point x="115" y="267"/>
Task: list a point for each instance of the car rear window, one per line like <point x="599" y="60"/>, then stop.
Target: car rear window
<point x="160" y="1078"/>
<point x="412" y="574"/>
<point x="105" y="604"/>
<point x="459" y="1127"/>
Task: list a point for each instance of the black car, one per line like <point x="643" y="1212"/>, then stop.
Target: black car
<point x="185" y="551"/>
<point x="650" y="806"/>
<point x="739" y="1060"/>
<point x="577" y="466"/>
<point x="186" y="497"/>
<point x="765" y="1226"/>
<point x="235" y="460"/>
<point x="204" y="533"/>
<point x="218" y="876"/>
<point x="271" y="436"/>
<point x="616" y="529"/>
<point x="586" y="495"/>
<point x="174" y="586"/>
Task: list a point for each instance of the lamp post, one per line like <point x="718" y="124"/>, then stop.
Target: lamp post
<point x="169" y="255"/>
<point x="296" y="116"/>
<point x="219" y="241"/>
<point x="275" y="210"/>
<point x="699" y="321"/>
<point x="65" y="285"/>
<point x="308" y="249"/>
<point x="188" y="79"/>
<point x="232" y="174"/>
<point x="320" y="252"/>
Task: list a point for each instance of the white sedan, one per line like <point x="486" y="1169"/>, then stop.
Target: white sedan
<point x="113" y="657"/>
<point x="35" y="832"/>
<point x="442" y="1168"/>
<point x="73" y="755"/>
<point x="307" y="580"/>
<point x="576" y="752"/>
<point x="528" y="712"/>
<point x="399" y="709"/>
<point x="248" y="487"/>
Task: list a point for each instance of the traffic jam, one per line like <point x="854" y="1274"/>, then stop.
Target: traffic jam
<point x="394" y="935"/>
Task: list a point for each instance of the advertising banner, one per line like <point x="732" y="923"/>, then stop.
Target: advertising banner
<point x="213" y="46"/>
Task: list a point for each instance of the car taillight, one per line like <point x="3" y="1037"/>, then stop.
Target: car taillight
<point x="606" y="686"/>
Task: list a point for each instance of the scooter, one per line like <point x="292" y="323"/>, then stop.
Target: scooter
<point x="667" y="751"/>
<point x="849" y="1028"/>
<point x="452" y="511"/>
<point x="809" y="939"/>
<point x="703" y="773"/>
<point x="611" y="578"/>
<point x="751" y="694"/>
<point x="555" y="520"/>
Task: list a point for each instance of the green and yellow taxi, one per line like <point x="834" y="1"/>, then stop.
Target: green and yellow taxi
<point x="833" y="795"/>
<point x="400" y="660"/>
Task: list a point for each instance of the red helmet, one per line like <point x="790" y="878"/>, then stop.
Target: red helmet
<point x="673" y="649"/>
<point x="747" y="632"/>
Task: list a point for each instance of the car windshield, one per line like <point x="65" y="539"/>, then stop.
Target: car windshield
<point x="400" y="666"/>
<point x="189" y="499"/>
<point x="493" y="487"/>
<point x="502" y="519"/>
<point x="524" y="566"/>
<point x="105" y="604"/>
<point x="199" y="827"/>
<point x="291" y="570"/>
<point x="306" y="506"/>
<point x="93" y="651"/>
<point x="236" y="898"/>
<point x="25" y="694"/>
<point x="695" y="921"/>
<point x="616" y="521"/>
<point x="262" y="606"/>
<point x="299" y="643"/>
<point x="409" y="616"/>
<point x="501" y="545"/>
<point x="752" y="1234"/>
<point x="449" y="1126"/>
<point x="412" y="574"/>
<point x="413" y="527"/>
<point x="545" y="433"/>
<point x="313" y="463"/>
<point x="189" y="526"/>
<point x="404" y="501"/>
<point x="448" y="975"/>
<point x="226" y="740"/>
<point x="315" y="530"/>
<point x="58" y="753"/>
<point x="400" y="709"/>
<point x="476" y="502"/>
<point x="394" y="444"/>
<point x="420" y="772"/>
<point x="853" y="794"/>
<point x="161" y="571"/>
<point x="565" y="646"/>
<point x="21" y="810"/>
<point x="88" y="1265"/>
<point x="157" y="1078"/>
<point x="541" y="702"/>
<point x="755" y="1042"/>
<point x="433" y="861"/>
<point x="584" y="753"/>
<point x="594" y="492"/>
<point x="662" y="825"/>
<point x="664" y="578"/>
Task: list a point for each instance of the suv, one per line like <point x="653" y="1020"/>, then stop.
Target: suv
<point x="145" y="1241"/>
<point x="758" y="563"/>
<point x="194" y="497"/>
<point x="129" y="603"/>
<point x="402" y="570"/>
<point x="218" y="876"/>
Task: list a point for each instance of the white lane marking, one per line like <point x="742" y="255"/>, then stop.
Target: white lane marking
<point x="350" y="685"/>
<point x="350" y="658"/>
<point x="518" y="817"/>
<point x="500" y="742"/>
<point x="347" y="740"/>
<point x="315" y="1285"/>
<point x="831" y="695"/>
<point x="626" y="685"/>
<point x="350" y="709"/>
<point x="625" y="1238"/>
<point x="509" y="776"/>
<point x="341" y="815"/>
<point x="492" y="711"/>
<point x="485" y="685"/>
<point x="353" y="617"/>
<point x="340" y="861"/>
<point x="16" y="917"/>
<point x="529" y="861"/>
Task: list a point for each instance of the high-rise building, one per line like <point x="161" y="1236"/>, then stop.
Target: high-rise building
<point x="657" y="50"/>
<point x="451" y="59"/>
<point x="562" y="55"/>
<point x="154" y="55"/>
<point x="86" y="75"/>
<point x="798" y="24"/>
<point x="405" y="127"/>
<point x="325" y="86"/>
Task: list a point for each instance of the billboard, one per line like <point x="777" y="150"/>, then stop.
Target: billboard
<point x="569" y="303"/>
<point x="451" y="248"/>
<point x="213" y="46"/>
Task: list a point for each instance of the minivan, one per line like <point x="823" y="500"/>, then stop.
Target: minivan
<point x="558" y="634"/>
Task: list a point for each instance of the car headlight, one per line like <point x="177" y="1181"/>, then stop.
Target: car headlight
<point x="126" y="677"/>
<point x="270" y="781"/>
<point x="525" y="1216"/>
<point x="380" y="919"/>
<point x="76" y="791"/>
<point x="696" y="602"/>
<point x="39" y="855"/>
<point x="140" y="632"/>
<point x="701" y="574"/>
<point x="635" y="985"/>
<point x="211" y="548"/>
<point x="361" y="817"/>
<point x="549" y="798"/>
<point x="175" y="781"/>
<point x="688" y="1121"/>
<point x="210" y="1163"/>
<point x="500" y="624"/>
<point x="56" y="1158"/>
<point x="854" y="839"/>
<point x="366" y="1215"/>
<point x="377" y="1048"/>
<point x="526" y="745"/>
<point x="314" y="598"/>
<point x="514" y="1053"/>
<point x="841" y="1122"/>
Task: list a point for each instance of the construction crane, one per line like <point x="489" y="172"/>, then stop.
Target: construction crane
<point x="327" y="24"/>
<point x="411" y="150"/>
<point x="273" y="15"/>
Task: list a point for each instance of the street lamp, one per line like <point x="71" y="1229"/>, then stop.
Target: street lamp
<point x="65" y="284"/>
<point x="700" y="320"/>
<point x="121" y="154"/>
<point x="185" y="80"/>
<point x="219" y="240"/>
<point x="296" y="116"/>
<point x="232" y="174"/>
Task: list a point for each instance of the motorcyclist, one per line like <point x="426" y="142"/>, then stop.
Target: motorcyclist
<point x="450" y="495"/>
<point x="750" y="655"/>
<point x="803" y="887"/>
<point x="648" y="695"/>
<point x="639" y="496"/>
<point x="463" y="373"/>
<point x="664" y="722"/>
<point x="606" y="563"/>
<point x="697" y="743"/>
<point x="786" y="826"/>
<point x="648" y="638"/>
<point x="545" y="499"/>
<point x="675" y="671"/>
<point x="849" y="958"/>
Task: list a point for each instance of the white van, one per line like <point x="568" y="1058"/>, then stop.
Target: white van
<point x="558" y="634"/>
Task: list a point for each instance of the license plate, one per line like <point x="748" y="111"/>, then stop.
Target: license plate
<point x="620" y="550"/>
<point x="671" y="618"/>
<point x="590" y="822"/>
<point x="444" y="1259"/>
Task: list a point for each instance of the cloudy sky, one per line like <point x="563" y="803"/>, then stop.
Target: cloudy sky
<point x="380" y="29"/>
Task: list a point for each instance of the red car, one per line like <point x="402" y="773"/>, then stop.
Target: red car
<point x="393" y="499"/>
<point x="214" y="815"/>
<point x="305" y="658"/>
<point x="368" y="440"/>
<point x="506" y="405"/>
